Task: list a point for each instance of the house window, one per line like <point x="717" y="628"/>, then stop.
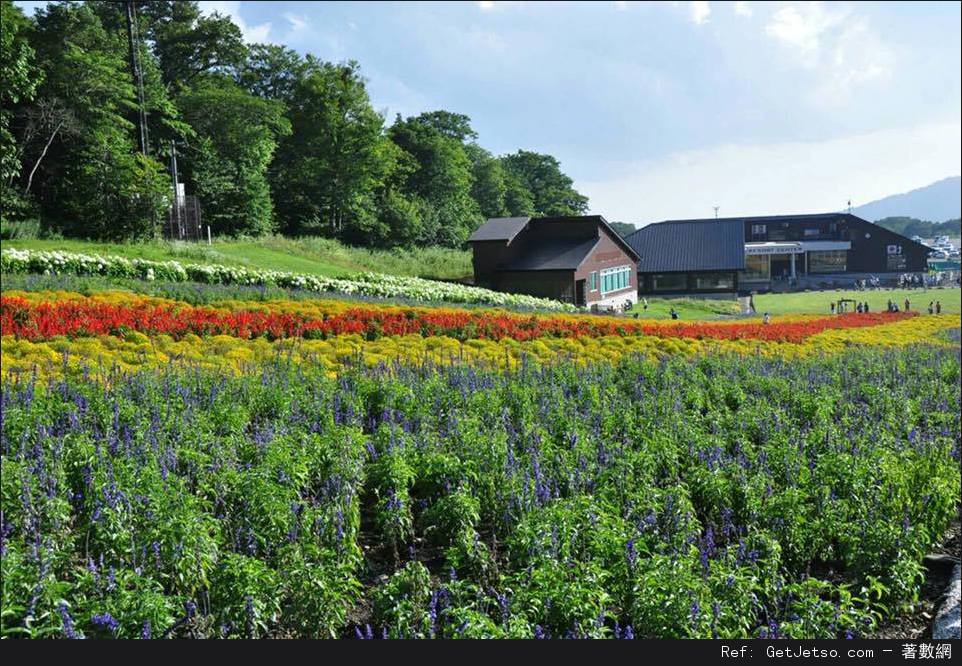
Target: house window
<point x="593" y="281"/>
<point x="809" y="233"/>
<point x="827" y="261"/>
<point x="669" y="282"/>
<point x="759" y="229"/>
<point x="615" y="279"/>
<point x="714" y="281"/>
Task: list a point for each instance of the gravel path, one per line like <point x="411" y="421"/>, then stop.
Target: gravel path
<point x="946" y="623"/>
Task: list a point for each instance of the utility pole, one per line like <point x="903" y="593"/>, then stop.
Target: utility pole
<point x="716" y="212"/>
<point x="173" y="174"/>
<point x="133" y="39"/>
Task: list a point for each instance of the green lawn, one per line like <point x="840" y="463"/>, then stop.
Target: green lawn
<point x="818" y="302"/>
<point x="687" y="308"/>
<point x="319" y="256"/>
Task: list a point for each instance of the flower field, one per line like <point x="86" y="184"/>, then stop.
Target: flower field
<point x="53" y="332"/>
<point x="14" y="261"/>
<point x="323" y="468"/>
<point x="33" y="317"/>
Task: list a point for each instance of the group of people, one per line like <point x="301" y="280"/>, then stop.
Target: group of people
<point x="935" y="307"/>
<point x="841" y="307"/>
<point x="871" y="283"/>
<point x="912" y="281"/>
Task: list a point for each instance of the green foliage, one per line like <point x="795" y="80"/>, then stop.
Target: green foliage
<point x="20" y="79"/>
<point x="910" y="226"/>
<point x="228" y="165"/>
<point x="78" y="148"/>
<point x="624" y="229"/>
<point x="552" y="192"/>
<point x="328" y="170"/>
<point x="489" y="188"/>
<point x="188" y="44"/>
<point x="442" y="180"/>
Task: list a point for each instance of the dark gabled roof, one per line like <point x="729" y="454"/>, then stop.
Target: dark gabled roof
<point x="690" y="245"/>
<point x="619" y="240"/>
<point x="553" y="254"/>
<point x="499" y="229"/>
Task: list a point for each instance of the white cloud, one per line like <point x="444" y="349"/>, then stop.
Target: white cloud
<point x="840" y="48"/>
<point x="297" y="21"/>
<point x="486" y="5"/>
<point x="857" y="59"/>
<point x="743" y="9"/>
<point x="803" y="27"/>
<point x="795" y="177"/>
<point x="251" y="33"/>
<point x="621" y="5"/>
<point x="700" y="11"/>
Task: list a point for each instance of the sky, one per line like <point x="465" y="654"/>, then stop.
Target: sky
<point x="665" y="110"/>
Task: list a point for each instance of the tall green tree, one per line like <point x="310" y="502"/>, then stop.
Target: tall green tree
<point x="226" y="163"/>
<point x="443" y="178"/>
<point x="518" y="200"/>
<point x="188" y="43"/>
<point x="488" y="188"/>
<point x="552" y="191"/>
<point x="82" y="157"/>
<point x="20" y="79"/>
<point x="329" y="169"/>
<point x="272" y="71"/>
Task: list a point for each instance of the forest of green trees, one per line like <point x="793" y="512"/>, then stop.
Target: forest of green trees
<point x="269" y="140"/>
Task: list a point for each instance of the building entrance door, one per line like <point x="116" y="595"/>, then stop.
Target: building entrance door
<point x="781" y="266"/>
<point x="580" y="293"/>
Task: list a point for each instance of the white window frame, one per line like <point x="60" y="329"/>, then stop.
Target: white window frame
<point x="615" y="271"/>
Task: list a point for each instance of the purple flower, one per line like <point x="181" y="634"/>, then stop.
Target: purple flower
<point x="631" y="553"/>
<point x="68" y="628"/>
<point x="106" y="621"/>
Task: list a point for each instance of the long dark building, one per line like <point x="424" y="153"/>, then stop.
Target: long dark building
<point x="581" y="260"/>
<point x="761" y="253"/>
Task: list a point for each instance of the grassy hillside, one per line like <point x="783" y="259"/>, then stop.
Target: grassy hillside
<point x="318" y="256"/>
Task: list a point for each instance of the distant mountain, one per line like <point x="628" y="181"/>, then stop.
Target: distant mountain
<point x="937" y="202"/>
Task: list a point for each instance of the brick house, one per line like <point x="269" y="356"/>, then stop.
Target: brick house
<point x="579" y="260"/>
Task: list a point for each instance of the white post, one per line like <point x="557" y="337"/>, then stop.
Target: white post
<point x="792" y="260"/>
<point x="208" y="234"/>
